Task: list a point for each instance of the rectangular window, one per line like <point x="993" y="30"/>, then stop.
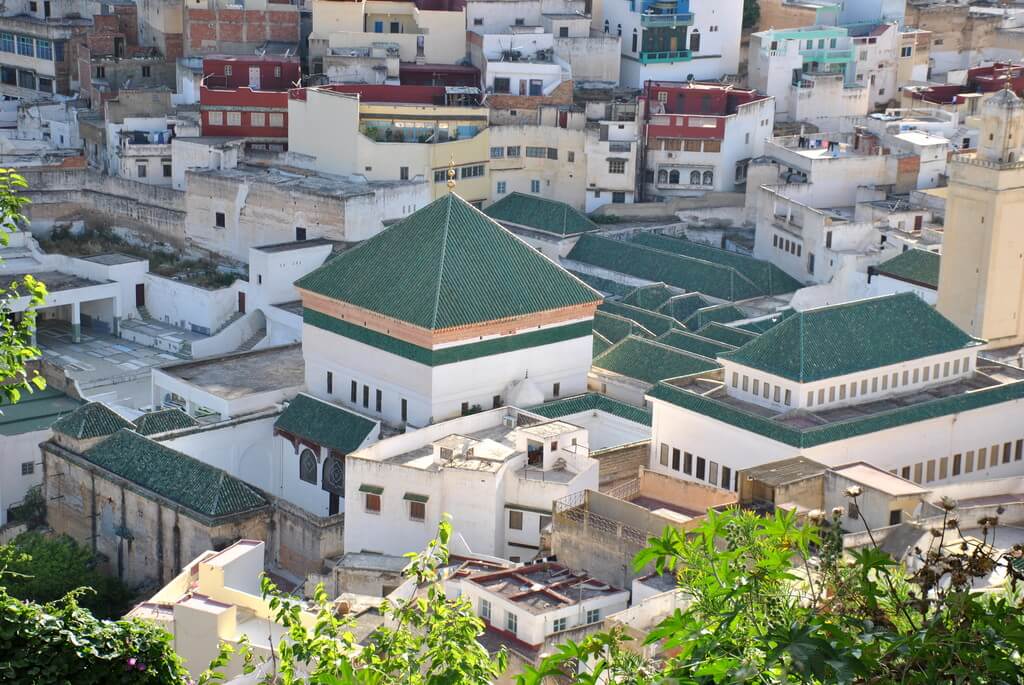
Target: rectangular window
<point x="485" y="610"/>
<point x="895" y="380"/>
<point x="570" y="156"/>
<point x="355" y="392"/>
<point x="536" y="152"/>
<point x="864" y="387"/>
<point x="366" y="396"/>
<point x="1006" y="452"/>
<point x="6" y="42"/>
<point x="675" y="459"/>
<point x="957" y="464"/>
<point x="403" y="173"/>
<point x="993" y="456"/>
<point x="501" y="187"/>
<point x="44" y="50"/>
<point x="497" y="152"/>
<point x="701" y="466"/>
<point x="234" y="118"/>
<point x="277" y="119"/>
<point x="788" y="400"/>
<point x="757" y="387"/>
<point x="917" y="376"/>
<point x="713" y="472"/>
<point x="945" y="370"/>
<point x="1018" y="450"/>
<point x="28" y="468"/>
<point x="967" y="364"/>
<point x="832" y="394"/>
<point x="371" y="502"/>
<point x="215" y="118"/>
<point x="330" y="383"/>
<point x="821" y="396"/>
<point x="982" y="454"/>
<point x="927" y="374"/>
<point x="906" y="377"/>
<point x="616" y="166"/>
<point x="874" y="385"/>
<point x="905" y="473"/>
<point x="663" y="455"/>
<point x="511" y="622"/>
<point x="258" y="119"/>
<point x="465" y="408"/>
<point x="810" y="398"/>
<point x="687" y="463"/>
<point x="853" y="389"/>
<point x="534" y="186"/>
<point x="746" y="382"/>
<point x="405" y="410"/>
<point x="956" y="366"/>
<point x="515" y="520"/>
<point x="726" y="477"/>
<point x="417" y="511"/>
<point x="168" y="170"/>
<point x="552" y="153"/>
<point x="559" y="624"/>
<point x="556" y="389"/>
<point x="943" y="468"/>
<point x="26" y="46"/>
<point x="735" y="379"/>
<point x="142" y="169"/>
<point x="917" y="472"/>
<point x="930" y="470"/>
<point x="969" y="461"/>
<point x="379" y="399"/>
<point x="885" y="382"/>
<point x="513" y="151"/>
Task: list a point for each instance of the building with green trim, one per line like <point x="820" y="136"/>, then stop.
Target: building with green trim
<point x="439" y="315"/>
<point x="884" y="380"/>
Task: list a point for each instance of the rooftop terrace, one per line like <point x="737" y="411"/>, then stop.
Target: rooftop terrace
<point x="542" y="587"/>
<point x="248" y="373"/>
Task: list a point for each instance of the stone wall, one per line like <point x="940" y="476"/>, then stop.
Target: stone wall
<point x="85" y="194"/>
<point x="621" y="463"/>
<point x="305" y="540"/>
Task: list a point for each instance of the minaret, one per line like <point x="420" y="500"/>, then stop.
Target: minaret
<point x="981" y="281"/>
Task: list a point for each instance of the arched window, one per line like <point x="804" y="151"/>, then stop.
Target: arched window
<point x="307" y="466"/>
<point x="619" y="29"/>
<point x="334" y="474"/>
<point x="635" y="38"/>
<point x="673" y="177"/>
<point x="695" y="41"/>
<point x="709" y="178"/>
<point x="695" y="178"/>
<point x="606" y="25"/>
<point x="662" y="176"/>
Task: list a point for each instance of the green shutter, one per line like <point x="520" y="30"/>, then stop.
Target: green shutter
<point x="413" y="497"/>
<point x="371" y="489"/>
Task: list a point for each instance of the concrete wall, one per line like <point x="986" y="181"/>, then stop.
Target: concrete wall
<point x="622" y="463"/>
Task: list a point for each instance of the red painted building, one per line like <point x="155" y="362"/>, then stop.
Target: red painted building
<point x="987" y="79"/>
<point x="247" y="97"/>
<point x="215" y="26"/>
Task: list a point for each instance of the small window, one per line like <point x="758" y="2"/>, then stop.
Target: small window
<point x="142" y="170"/>
<point x="300" y="233"/>
<point x="687" y="463"/>
<point x="663" y="455"/>
<point x="403" y="173"/>
<point x="405" y="410"/>
<point x="234" y="118"/>
<point x="227" y="70"/>
<point x="28" y="468"/>
<point x="554" y="445"/>
<point x="853" y="510"/>
<point x="556" y="389"/>
<point x="145" y="72"/>
<point x="307" y="466"/>
<point x="726" y="477"/>
<point x="520" y="21"/>
<point x="515" y="520"/>
<point x="497" y="152"/>
<point x="465" y="408"/>
<point x="675" y="458"/>
<point x="593" y="616"/>
<point x="417" y="511"/>
<point x="513" y="151"/>
<point x="355" y="392"/>
<point x="616" y="166"/>
<point x="496" y="401"/>
<point x="701" y="466"/>
<point x="570" y="157"/>
<point x="379" y="400"/>
<point x="511" y="622"/>
<point x="371" y="502"/>
<point x="559" y="624"/>
<point x="1006" y="453"/>
<point x="277" y="119"/>
<point x="366" y="396"/>
<point x="895" y="517"/>
<point x="330" y="383"/>
<point x="168" y="170"/>
<point x="485" y="610"/>
<point x="534" y="186"/>
<point x="957" y="464"/>
<point x="478" y="21"/>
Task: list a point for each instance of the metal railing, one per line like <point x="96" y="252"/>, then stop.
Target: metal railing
<point x="673" y="20"/>
<point x="670" y="56"/>
<point x="571" y="512"/>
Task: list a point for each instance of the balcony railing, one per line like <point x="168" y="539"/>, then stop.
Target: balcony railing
<point x="827" y="55"/>
<point x="673" y="56"/>
<point x="673" y="20"/>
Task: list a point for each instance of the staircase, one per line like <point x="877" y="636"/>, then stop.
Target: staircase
<point x="249" y="343"/>
<point x="230" y="320"/>
<point x="143" y="313"/>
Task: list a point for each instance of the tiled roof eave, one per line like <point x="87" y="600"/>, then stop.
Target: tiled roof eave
<point x="905" y="279"/>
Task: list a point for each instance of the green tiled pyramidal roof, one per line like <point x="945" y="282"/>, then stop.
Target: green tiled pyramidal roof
<point x="163" y="421"/>
<point x="695" y="344"/>
<point x="603" y="285"/>
<point x="679" y="271"/>
<point x="325" y="423"/>
<point x="447" y="265"/>
<point x="541" y="214"/>
<point x="682" y="307"/>
<point x="614" y="327"/>
<point x="762" y="325"/>
<point x="722" y="313"/>
<point x="649" y="296"/>
<point x="920" y="267"/>
<point x="92" y="420"/>
<point x="727" y="334"/>
<point x="769" y="278"/>
<point x="652" y="321"/>
<point x="592" y="401"/>
<point x="178" y="477"/>
<point x="854" y="336"/>
<point x="649" y="361"/>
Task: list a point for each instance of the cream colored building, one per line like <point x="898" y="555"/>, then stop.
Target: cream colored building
<point x="981" y="283"/>
<point x="412" y="140"/>
<point x="425" y="36"/>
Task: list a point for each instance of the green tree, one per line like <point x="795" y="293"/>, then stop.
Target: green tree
<point x="16" y="333"/>
<point x="45" y="568"/>
<point x="751" y="13"/>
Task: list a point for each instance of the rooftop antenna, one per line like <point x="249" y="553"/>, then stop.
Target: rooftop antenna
<point x="451" y="174"/>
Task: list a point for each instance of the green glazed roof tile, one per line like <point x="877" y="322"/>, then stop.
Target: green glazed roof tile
<point x="541" y="214"/>
<point x="722" y="313"/>
<point x="650" y="362"/>
<point x="762" y="325"/>
<point x="592" y="402"/>
<point x="447" y="265"/>
<point x="163" y="421"/>
<point x="680" y="271"/>
<point x="920" y="267"/>
<point x="726" y="334"/>
<point x="601" y="344"/>
<point x="695" y="344"/>
<point x="769" y="278"/>
<point x="603" y="285"/>
<point x="649" y="296"/>
<point x="92" y="420"/>
<point x="178" y="477"/>
<point x="653" y="322"/>
<point x="614" y="327"/>
<point x="325" y="424"/>
<point x="682" y="307"/>
<point x="855" y="336"/>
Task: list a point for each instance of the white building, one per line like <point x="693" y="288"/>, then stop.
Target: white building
<point x="443" y="314"/>
<point x="885" y="380"/>
<point x="530" y="605"/>
<point x="520" y="61"/>
<point x="674" y="41"/>
<point x="496" y="473"/>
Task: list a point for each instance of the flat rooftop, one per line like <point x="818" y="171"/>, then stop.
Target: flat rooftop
<point x="318" y="184"/>
<point x="57" y="281"/>
<point x="248" y="373"/>
<point x="877" y="479"/>
<point x="542" y="587"/>
<point x="35" y="412"/>
<point x="112" y="259"/>
<point x="785" y="471"/>
<point x="992" y="383"/>
<point x="294" y="245"/>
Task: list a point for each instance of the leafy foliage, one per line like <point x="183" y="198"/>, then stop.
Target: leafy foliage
<point x="751" y="13"/>
<point x="16" y="334"/>
<point x="44" y="569"/>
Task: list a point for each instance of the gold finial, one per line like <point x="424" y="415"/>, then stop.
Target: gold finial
<point x="451" y="174"/>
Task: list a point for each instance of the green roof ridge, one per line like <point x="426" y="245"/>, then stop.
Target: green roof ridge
<point x="531" y="210"/>
<point x="325" y="423"/>
<point x="694" y="342"/>
<point x="448" y="265"/>
<point x="91" y="420"/>
<point x="848" y="337"/>
<point x="162" y="421"/>
<point x="650" y="320"/>
<point x="730" y="335"/>
<point x="657" y="362"/>
<point x="914" y="265"/>
<point x="601" y="315"/>
<point x="591" y="401"/>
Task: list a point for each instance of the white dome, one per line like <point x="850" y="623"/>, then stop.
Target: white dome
<point x="523" y="393"/>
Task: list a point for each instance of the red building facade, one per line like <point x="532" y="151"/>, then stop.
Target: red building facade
<point x="247" y="97"/>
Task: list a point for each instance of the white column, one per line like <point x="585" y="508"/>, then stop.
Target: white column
<point x="76" y="322"/>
